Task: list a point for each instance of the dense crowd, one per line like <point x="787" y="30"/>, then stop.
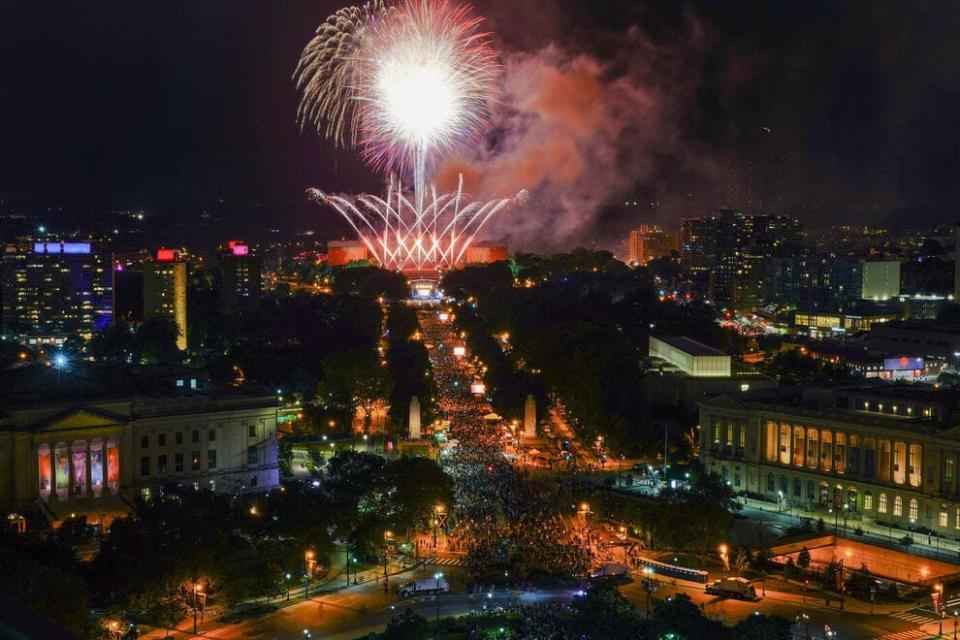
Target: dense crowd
<point x="504" y="522"/>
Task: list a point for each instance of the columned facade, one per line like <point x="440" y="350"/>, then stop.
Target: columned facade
<point x="885" y="468"/>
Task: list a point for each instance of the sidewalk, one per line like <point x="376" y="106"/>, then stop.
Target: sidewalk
<point x="944" y="549"/>
<point x="211" y="623"/>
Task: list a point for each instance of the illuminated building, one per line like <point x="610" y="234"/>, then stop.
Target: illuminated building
<point x="242" y="277"/>
<point x="649" y="243"/>
<point x="826" y="323"/>
<point x="690" y="356"/>
<point x="734" y="249"/>
<point x="935" y="339"/>
<point x="51" y="290"/>
<point x="343" y="252"/>
<point x="881" y="279"/>
<point x="485" y="252"/>
<point x="79" y="441"/>
<point x="885" y="454"/>
<point x="165" y="291"/>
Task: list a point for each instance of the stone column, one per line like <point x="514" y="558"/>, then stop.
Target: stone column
<point x="530" y="417"/>
<point x="414" y="421"/>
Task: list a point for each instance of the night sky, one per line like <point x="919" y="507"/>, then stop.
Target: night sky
<point x="828" y="110"/>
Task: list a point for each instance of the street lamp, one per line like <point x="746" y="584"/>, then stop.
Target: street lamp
<point x="583" y="511"/>
<point x="648" y="585"/>
<point x="307" y="572"/>
<point x="436" y="629"/>
<point x="724" y="555"/>
<point x="622" y="535"/>
<point x="387" y="539"/>
<point x="197" y="592"/>
<point x="779" y="500"/>
<point x="955" y="620"/>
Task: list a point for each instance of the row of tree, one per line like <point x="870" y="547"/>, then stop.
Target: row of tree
<point x="580" y="323"/>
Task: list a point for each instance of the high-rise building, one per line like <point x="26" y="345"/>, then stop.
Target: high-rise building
<point x="881" y="279"/>
<point x="165" y="291"/>
<point x="649" y="243"/>
<point x="242" y="278"/>
<point x="51" y="290"/>
<point x="735" y="248"/>
<point x="817" y="283"/>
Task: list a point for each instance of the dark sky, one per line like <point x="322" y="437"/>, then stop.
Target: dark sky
<point x="832" y="110"/>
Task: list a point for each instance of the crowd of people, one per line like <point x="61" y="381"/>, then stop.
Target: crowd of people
<point x="504" y="521"/>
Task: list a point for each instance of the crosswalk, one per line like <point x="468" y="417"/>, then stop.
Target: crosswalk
<point x="917" y="616"/>
<point x="912" y="634"/>
<point x="449" y="561"/>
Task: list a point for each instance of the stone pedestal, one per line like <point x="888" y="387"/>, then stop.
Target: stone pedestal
<point x="414" y="421"/>
<point x="530" y="418"/>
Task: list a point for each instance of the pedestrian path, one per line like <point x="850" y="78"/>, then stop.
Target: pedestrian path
<point x="449" y="561"/>
<point x="912" y="634"/>
<point x="917" y="616"/>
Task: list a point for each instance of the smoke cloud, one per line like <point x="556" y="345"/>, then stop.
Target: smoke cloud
<point x="583" y="134"/>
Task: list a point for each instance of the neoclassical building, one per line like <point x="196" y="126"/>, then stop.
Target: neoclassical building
<point x="68" y="445"/>
<point x="886" y="453"/>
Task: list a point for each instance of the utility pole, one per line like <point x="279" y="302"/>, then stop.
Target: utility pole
<point x="664" y="452"/>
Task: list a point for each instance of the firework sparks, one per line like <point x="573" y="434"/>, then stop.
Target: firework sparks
<point x="404" y="236"/>
<point x="407" y="84"/>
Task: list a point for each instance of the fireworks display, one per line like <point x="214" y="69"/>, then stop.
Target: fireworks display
<point x="407" y="84"/>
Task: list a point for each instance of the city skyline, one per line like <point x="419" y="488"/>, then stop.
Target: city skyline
<point x="161" y="108"/>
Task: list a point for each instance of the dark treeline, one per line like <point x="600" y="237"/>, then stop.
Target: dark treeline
<point x="578" y="326"/>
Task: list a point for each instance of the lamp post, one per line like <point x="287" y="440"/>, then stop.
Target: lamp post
<point x="779" y="500"/>
<point x="307" y="566"/>
<point x="436" y="629"/>
<point x="622" y="535"/>
<point x="583" y="511"/>
<point x="387" y="539"/>
<point x="647" y="586"/>
<point x="955" y="620"/>
<point x="197" y="591"/>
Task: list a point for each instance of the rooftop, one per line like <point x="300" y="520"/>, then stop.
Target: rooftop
<point x="689" y="345"/>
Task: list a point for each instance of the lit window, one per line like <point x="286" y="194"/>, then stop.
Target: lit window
<point x="867" y="501"/>
<point x="897" y="506"/>
<point x="882" y="504"/>
<point x="914" y="508"/>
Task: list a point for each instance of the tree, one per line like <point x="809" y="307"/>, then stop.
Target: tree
<point x="417" y="486"/>
<point x="803" y="558"/>
<point x="408" y="626"/>
<point x="604" y="613"/>
<point x="680" y="616"/>
<point x="156" y="342"/>
<point x="762" y="627"/>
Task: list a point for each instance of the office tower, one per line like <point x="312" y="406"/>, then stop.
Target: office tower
<point x="51" y="290"/>
<point x="165" y="291"/>
<point x="242" y="279"/>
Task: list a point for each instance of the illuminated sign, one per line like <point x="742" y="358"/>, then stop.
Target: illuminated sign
<point x="478" y="388"/>
<point x="240" y="249"/>
<point x="459" y="351"/>
<point x="61" y="247"/>
<point x="902" y="363"/>
<point x="166" y="255"/>
<point x="444" y="316"/>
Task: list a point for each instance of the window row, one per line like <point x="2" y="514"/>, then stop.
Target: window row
<point x="194" y="437"/>
<point x="841" y="453"/>
<point x="178" y="463"/>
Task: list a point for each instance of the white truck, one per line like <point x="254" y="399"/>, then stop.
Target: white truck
<point x="423" y="586"/>
<point x="738" y="588"/>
